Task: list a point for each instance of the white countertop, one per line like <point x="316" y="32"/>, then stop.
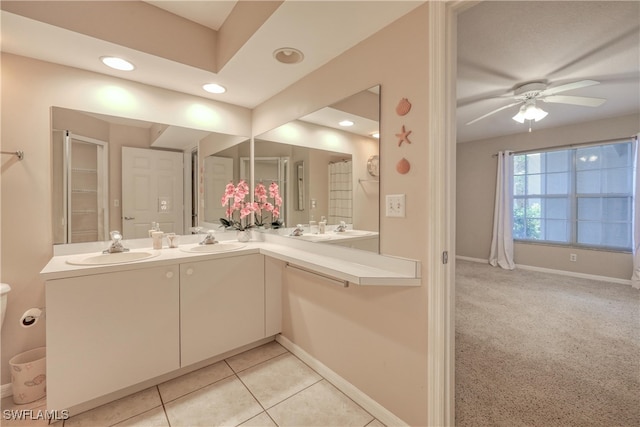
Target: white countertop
<point x="344" y="264"/>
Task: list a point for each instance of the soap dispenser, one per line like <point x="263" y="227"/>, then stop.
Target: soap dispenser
<point x="322" y="225"/>
<point x="156" y="235"/>
<point x="154" y="227"/>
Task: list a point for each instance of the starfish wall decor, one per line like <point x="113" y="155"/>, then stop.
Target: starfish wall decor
<point x="403" y="136"/>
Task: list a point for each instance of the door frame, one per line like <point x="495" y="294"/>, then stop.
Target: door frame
<point x="102" y="176"/>
<point x="441" y="228"/>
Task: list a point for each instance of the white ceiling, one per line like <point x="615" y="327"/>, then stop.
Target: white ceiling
<point x="502" y="44"/>
<point x="211" y="14"/>
<point x="322" y="30"/>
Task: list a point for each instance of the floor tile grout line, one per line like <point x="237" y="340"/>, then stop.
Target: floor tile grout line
<point x="199" y="388"/>
<point x="143" y="412"/>
<point x="266" y="410"/>
<point x="283" y="354"/>
<point x="259" y="363"/>
<point x="256" y="399"/>
<point x="164" y="408"/>
<point x="353" y="401"/>
<point x="334" y="386"/>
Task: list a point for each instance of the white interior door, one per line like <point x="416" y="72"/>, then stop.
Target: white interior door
<point x="218" y="171"/>
<point x="152" y="191"/>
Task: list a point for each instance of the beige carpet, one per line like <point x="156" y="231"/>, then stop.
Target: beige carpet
<point x="538" y="349"/>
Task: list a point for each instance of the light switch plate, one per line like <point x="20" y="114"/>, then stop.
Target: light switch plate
<point x="395" y="205"/>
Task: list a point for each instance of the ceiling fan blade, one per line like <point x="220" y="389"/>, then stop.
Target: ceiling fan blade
<point x="568" y="86"/>
<point x="574" y="100"/>
<point x="493" y="112"/>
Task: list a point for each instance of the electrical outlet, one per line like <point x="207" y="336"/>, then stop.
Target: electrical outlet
<point x="395" y="205"/>
<point x="573" y="257"/>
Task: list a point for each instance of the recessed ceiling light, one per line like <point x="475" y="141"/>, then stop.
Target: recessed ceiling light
<point x="346" y="123"/>
<point x="117" y="63"/>
<point x="288" y="55"/>
<point x="214" y="88"/>
<point x="376" y="135"/>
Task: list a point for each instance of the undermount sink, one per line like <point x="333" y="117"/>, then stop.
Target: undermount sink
<point x="215" y="248"/>
<point x="114" y="258"/>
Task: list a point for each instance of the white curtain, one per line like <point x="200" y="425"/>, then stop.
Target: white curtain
<point x="340" y="192"/>
<point x="502" y="240"/>
<point x="635" y="278"/>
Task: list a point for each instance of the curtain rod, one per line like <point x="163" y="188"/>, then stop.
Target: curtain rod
<point x="578" y="144"/>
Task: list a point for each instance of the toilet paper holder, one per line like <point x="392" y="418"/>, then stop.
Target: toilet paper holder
<point x="31" y="317"/>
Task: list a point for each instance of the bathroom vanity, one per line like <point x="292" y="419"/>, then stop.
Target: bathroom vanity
<point x="113" y="326"/>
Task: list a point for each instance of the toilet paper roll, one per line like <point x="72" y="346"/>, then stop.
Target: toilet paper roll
<point x="30" y="317"/>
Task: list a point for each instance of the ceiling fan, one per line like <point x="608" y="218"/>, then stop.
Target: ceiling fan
<point x="528" y="93"/>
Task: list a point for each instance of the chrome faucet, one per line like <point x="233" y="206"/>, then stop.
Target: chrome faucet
<point x="209" y="238"/>
<point x="298" y="231"/>
<point x="341" y="228"/>
<point x="116" y="244"/>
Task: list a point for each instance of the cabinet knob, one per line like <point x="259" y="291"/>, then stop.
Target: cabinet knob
<point x="189" y="271"/>
<point x="169" y="274"/>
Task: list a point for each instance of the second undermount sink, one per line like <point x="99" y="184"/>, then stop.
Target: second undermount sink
<point x="114" y="258"/>
<point x="215" y="248"/>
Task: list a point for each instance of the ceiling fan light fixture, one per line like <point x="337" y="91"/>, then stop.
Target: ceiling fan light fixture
<point x="529" y="111"/>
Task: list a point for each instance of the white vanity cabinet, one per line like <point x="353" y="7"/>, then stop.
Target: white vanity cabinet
<point x="109" y="331"/>
<point x="222" y="305"/>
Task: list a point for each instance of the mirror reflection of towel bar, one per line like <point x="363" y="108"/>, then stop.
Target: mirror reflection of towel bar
<point x="20" y="154"/>
<point x="341" y="282"/>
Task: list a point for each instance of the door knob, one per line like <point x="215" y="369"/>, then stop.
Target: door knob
<point x="129" y="218"/>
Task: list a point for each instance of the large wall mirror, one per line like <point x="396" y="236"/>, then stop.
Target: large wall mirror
<point x="332" y="157"/>
<point x="176" y="176"/>
<point x="115" y="173"/>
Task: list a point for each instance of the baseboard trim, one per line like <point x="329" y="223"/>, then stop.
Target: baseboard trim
<point x="374" y="408"/>
<point x="5" y="390"/>
<point x="554" y="271"/>
<point x="467" y="258"/>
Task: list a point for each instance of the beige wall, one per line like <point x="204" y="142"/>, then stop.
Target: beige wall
<point x="476" y="177"/>
<point x="375" y="337"/>
<point x="29" y="89"/>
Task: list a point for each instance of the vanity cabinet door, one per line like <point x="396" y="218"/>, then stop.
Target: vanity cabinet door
<point x="221" y="306"/>
<point x="109" y="331"/>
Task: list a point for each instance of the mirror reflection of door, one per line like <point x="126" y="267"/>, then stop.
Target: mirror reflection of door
<point x="273" y="169"/>
<point x="154" y="191"/>
<point x="80" y="185"/>
<point x="218" y="172"/>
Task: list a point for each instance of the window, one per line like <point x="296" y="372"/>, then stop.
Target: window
<point x="579" y="196"/>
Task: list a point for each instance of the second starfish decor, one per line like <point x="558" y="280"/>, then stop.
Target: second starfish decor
<point x="403" y="136"/>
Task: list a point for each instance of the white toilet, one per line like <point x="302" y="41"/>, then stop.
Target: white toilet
<point x="4" y="290"/>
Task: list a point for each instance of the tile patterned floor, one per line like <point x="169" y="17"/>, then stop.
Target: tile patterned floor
<point x="263" y="387"/>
